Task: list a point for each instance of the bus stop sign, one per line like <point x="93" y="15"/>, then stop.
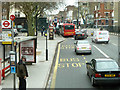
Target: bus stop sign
<point x="12" y="17"/>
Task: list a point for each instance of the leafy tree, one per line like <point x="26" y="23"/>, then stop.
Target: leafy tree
<point x="6" y="6"/>
<point x="33" y="9"/>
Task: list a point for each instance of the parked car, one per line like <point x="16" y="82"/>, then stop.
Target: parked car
<point x="76" y="30"/>
<point x="103" y="71"/>
<point x="101" y="36"/>
<point x="23" y="30"/>
<point x="18" y="27"/>
<point x="85" y="31"/>
<point x="80" y="35"/>
<point x="82" y="46"/>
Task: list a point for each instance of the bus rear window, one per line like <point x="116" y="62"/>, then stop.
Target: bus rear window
<point x="68" y="27"/>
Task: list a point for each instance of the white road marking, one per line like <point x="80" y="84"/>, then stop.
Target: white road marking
<point x="101" y="51"/>
<point x="114" y="44"/>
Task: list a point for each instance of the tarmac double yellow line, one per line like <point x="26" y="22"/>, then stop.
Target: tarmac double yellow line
<point x="55" y="69"/>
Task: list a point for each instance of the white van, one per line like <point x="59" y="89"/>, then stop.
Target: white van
<point x="100" y="36"/>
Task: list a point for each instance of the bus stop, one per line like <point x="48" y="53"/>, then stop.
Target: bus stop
<point x="24" y="46"/>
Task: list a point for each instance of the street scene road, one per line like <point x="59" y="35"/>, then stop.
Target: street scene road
<point x="71" y="68"/>
<point x="53" y="44"/>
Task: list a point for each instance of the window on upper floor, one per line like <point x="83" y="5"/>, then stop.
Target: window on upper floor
<point x="17" y="14"/>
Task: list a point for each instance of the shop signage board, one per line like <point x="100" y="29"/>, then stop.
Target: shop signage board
<point x="6" y="32"/>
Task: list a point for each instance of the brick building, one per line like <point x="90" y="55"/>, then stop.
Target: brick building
<point x="103" y="17"/>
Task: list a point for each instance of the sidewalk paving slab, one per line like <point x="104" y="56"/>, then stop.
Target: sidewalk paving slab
<point x="39" y="71"/>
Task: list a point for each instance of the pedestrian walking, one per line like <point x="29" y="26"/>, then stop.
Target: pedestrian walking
<point x="43" y="29"/>
<point x="22" y="73"/>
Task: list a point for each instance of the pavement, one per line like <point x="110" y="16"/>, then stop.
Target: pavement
<point x="39" y="71"/>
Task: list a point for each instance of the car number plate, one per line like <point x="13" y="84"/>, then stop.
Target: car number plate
<point x="109" y="75"/>
<point x="100" y="38"/>
<point x="83" y="47"/>
<point x="78" y="35"/>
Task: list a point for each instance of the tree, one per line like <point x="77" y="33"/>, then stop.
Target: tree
<point x="30" y="11"/>
<point x="6" y="6"/>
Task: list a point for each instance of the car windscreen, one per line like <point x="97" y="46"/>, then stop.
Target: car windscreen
<point x="106" y="65"/>
<point x="83" y="42"/>
<point x="68" y="27"/>
<point x="19" y="26"/>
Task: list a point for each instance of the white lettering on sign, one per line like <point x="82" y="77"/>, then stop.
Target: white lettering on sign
<point x="6" y="24"/>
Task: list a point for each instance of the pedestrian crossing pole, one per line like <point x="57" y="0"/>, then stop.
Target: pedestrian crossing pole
<point x="46" y="48"/>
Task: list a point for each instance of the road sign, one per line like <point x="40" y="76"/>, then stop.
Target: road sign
<point x="6" y="36"/>
<point x="13" y="69"/>
<point x="6" y="24"/>
<point x="12" y="17"/>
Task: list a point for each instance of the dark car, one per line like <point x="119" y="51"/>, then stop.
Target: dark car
<point x="85" y="31"/>
<point x="23" y="30"/>
<point x="79" y="35"/>
<point x="103" y="71"/>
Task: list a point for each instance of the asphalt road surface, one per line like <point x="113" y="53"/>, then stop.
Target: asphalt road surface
<point x="70" y="69"/>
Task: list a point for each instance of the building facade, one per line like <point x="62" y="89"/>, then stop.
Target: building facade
<point x="103" y="17"/>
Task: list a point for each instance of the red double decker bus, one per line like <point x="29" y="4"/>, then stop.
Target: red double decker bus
<point x="68" y="29"/>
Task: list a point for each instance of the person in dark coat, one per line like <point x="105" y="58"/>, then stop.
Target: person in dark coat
<point x="43" y="29"/>
<point x="22" y="73"/>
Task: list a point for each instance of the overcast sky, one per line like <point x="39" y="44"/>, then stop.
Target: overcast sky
<point x="65" y="3"/>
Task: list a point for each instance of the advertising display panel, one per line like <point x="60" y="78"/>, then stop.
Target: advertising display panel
<point x="27" y="49"/>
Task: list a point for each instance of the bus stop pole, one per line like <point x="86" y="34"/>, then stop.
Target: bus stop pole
<point x="13" y="49"/>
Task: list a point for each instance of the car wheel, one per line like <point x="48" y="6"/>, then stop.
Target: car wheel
<point x="107" y="42"/>
<point x="95" y="41"/>
<point x="92" y="81"/>
<point x="75" y="38"/>
<point x="75" y="50"/>
<point x="90" y="52"/>
<point x="92" y="40"/>
<point x="76" y="53"/>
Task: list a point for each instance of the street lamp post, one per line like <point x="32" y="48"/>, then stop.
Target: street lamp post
<point x="78" y="16"/>
<point x="46" y="47"/>
<point x="36" y="25"/>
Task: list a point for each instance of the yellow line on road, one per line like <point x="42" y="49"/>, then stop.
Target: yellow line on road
<point x="55" y="69"/>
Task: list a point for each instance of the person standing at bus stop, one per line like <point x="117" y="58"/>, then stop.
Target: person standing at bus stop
<point x="22" y="73"/>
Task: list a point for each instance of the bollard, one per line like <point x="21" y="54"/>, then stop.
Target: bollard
<point x="0" y="70"/>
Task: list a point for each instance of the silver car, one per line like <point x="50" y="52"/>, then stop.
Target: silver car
<point x="82" y="46"/>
